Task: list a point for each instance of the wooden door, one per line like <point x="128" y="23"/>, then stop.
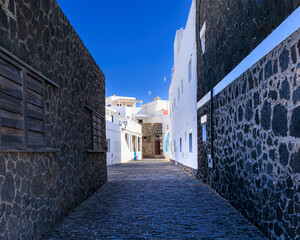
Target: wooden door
<point x="157" y="147"/>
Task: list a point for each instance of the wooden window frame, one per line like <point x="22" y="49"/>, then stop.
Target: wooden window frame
<point x="96" y="116"/>
<point x="24" y="79"/>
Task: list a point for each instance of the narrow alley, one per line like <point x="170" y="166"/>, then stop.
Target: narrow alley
<point x="154" y="199"/>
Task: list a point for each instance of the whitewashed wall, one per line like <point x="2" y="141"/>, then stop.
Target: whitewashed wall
<point x="119" y="150"/>
<point x="126" y="153"/>
<point x="184" y="115"/>
<point x="113" y="133"/>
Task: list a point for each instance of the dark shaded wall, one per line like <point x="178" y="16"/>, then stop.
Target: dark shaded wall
<point x="256" y="118"/>
<point x="37" y="188"/>
<point x="233" y="30"/>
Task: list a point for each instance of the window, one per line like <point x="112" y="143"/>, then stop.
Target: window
<point x="147" y="139"/>
<point x="181" y="86"/>
<point x="180" y="142"/>
<point x="22" y="109"/>
<point x="174" y="103"/>
<point x="204" y="132"/>
<point x="185" y="136"/>
<point x="112" y="118"/>
<point x="202" y="37"/>
<point x="174" y="146"/>
<point x="178" y="94"/>
<point x="108" y="145"/>
<point x="203" y="122"/>
<point x="190" y="70"/>
<point x="140" y="121"/>
<point x="97" y="124"/>
<point x="190" y="142"/>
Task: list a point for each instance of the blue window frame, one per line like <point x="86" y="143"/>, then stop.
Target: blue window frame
<point x="191" y="142"/>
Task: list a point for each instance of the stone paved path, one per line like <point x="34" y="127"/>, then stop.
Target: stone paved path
<point x="154" y="199"/>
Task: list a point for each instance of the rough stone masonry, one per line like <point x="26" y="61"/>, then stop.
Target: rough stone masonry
<point x="38" y="187"/>
<point x="257" y="142"/>
<point x="256" y="119"/>
<point x="152" y="132"/>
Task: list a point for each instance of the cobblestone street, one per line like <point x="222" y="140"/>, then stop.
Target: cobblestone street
<point x="153" y="199"/>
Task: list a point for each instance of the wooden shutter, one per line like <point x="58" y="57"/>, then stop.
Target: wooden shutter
<point x="11" y="104"/>
<point x="22" y="103"/>
<point x="97" y="132"/>
<point x="35" y="110"/>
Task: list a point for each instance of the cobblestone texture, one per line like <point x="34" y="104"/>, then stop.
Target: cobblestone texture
<point x="154" y="199"/>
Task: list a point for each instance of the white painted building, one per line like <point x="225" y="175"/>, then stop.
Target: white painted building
<point x="123" y="134"/>
<point x="157" y="111"/>
<point x="183" y="94"/>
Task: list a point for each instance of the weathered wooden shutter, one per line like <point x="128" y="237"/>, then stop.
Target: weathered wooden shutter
<point x="35" y="110"/>
<point x="22" y="113"/>
<point x="97" y="132"/>
<point x="11" y="105"/>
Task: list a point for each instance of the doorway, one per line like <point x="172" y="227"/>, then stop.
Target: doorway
<point x="157" y="147"/>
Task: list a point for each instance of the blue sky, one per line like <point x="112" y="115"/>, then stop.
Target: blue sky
<point x="132" y="41"/>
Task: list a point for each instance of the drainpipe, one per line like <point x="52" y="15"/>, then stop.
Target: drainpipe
<point x="211" y="122"/>
<point x="211" y="109"/>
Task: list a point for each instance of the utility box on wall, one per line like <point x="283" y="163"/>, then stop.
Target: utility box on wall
<point x="210" y="161"/>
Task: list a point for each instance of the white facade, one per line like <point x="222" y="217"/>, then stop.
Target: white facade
<point x="123" y="134"/>
<point x="183" y="94"/>
<point x="157" y="112"/>
<point x="113" y="135"/>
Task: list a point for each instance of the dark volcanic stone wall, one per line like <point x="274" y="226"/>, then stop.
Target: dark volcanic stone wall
<point x="38" y="189"/>
<point x="257" y="142"/>
<point x="233" y="30"/>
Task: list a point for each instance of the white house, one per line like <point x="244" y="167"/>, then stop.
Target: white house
<point x="123" y="134"/>
<point x="157" y="111"/>
<point x="183" y="95"/>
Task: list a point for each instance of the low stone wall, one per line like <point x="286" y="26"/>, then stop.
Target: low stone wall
<point x="256" y="128"/>
<point x="39" y="188"/>
<point x="189" y="170"/>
